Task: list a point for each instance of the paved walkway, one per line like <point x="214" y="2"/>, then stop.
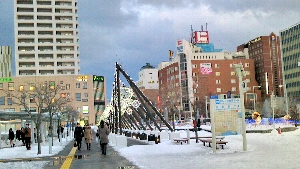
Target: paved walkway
<point x="91" y="159"/>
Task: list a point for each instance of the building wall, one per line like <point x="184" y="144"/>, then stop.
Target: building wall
<point x="290" y="45"/>
<point x="204" y="74"/>
<point x="46" y="37"/>
<point x="92" y="93"/>
<point x="148" y="79"/>
<point x="5" y="61"/>
<point x="265" y="51"/>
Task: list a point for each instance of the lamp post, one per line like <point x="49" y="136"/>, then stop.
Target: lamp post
<point x="254" y="96"/>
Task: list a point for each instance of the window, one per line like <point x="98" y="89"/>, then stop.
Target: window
<point x="233" y="81"/>
<point x="61" y="82"/>
<point x="1" y="86"/>
<point x="218" y="81"/>
<point x="9" y="101"/>
<point x="233" y="89"/>
<point x="247" y="64"/>
<point x="217" y="65"/>
<point x="218" y="73"/>
<point x="86" y="95"/>
<point x="84" y="85"/>
<point x="2" y="100"/>
<point x="32" y="100"/>
<point x="63" y="87"/>
<point x="232" y="73"/>
<point x="31" y="87"/>
<point x="78" y="96"/>
<point x="68" y="86"/>
<point x="21" y="87"/>
<point x="77" y="85"/>
<point x="219" y="90"/>
<point x="11" y="86"/>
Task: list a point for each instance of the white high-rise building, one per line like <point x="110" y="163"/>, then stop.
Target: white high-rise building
<point x="46" y="37"/>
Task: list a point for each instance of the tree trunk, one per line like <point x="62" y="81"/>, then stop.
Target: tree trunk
<point x="38" y="138"/>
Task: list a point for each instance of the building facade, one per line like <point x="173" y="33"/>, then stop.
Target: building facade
<point x="5" y="61"/>
<point x="265" y="51"/>
<point x="148" y="82"/>
<point x="85" y="93"/>
<point x="193" y="76"/>
<point x="46" y="37"/>
<point x="290" y="45"/>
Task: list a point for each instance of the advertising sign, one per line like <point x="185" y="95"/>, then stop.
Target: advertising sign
<point x="206" y="68"/>
<point x="85" y="109"/>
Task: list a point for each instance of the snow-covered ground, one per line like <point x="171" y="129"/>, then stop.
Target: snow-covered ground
<point x="268" y="151"/>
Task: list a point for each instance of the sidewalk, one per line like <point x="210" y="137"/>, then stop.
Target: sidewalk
<point x="91" y="159"/>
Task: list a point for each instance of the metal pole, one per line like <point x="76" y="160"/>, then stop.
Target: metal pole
<point x="286" y="100"/>
<point x="206" y="111"/>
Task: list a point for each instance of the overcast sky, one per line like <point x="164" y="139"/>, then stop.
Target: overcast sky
<point x="136" y="32"/>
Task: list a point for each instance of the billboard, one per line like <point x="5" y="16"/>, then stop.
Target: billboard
<point x="179" y="46"/>
<point x="206" y="68"/>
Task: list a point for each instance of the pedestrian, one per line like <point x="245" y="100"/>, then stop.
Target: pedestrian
<point x="103" y="132"/>
<point x="27" y="131"/>
<point x="62" y="131"/>
<point x="88" y="137"/>
<point x="22" y="134"/>
<point x="11" y="137"/>
<point x="78" y="134"/>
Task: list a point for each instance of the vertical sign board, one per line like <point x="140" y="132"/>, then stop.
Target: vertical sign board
<point x="225" y="114"/>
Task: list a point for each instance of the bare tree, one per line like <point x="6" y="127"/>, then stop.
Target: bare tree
<point x="46" y="97"/>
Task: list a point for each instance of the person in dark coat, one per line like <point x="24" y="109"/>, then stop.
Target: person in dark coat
<point x="27" y="131"/>
<point x="103" y="132"/>
<point x="78" y="134"/>
<point x="11" y="137"/>
<point x="22" y="134"/>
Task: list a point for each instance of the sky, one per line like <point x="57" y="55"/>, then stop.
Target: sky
<point x="136" y="32"/>
<point x="268" y="151"/>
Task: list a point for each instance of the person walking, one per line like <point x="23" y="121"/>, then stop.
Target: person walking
<point x="11" y="137"/>
<point x="78" y="134"/>
<point x="27" y="131"/>
<point x="103" y="132"/>
<point x="22" y="135"/>
<point x="88" y="137"/>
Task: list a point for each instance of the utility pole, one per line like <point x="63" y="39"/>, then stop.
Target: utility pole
<point x="239" y="69"/>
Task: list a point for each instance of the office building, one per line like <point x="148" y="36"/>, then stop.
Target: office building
<point x="46" y="37"/>
<point x="290" y="45"/>
<point x="265" y="51"/>
<point x="86" y="94"/>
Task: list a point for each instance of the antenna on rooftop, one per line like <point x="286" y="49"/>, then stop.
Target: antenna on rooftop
<point x="206" y="27"/>
<point x="192" y="38"/>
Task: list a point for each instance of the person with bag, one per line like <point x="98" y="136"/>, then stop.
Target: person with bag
<point x="78" y="134"/>
<point x="103" y="132"/>
<point x="88" y="137"/>
<point x="27" y="131"/>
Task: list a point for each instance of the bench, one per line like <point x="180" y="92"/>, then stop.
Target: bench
<point x="185" y="140"/>
<point x="201" y="137"/>
<point x="218" y="142"/>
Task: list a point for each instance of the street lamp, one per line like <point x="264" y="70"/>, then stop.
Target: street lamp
<point x="254" y="96"/>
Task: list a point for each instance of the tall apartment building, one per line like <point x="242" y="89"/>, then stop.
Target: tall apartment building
<point x="290" y="45"/>
<point x="46" y="37"/>
<point x="148" y="82"/>
<point x="199" y="72"/>
<point x="265" y="51"/>
<point x="86" y="94"/>
<point x="5" y="61"/>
